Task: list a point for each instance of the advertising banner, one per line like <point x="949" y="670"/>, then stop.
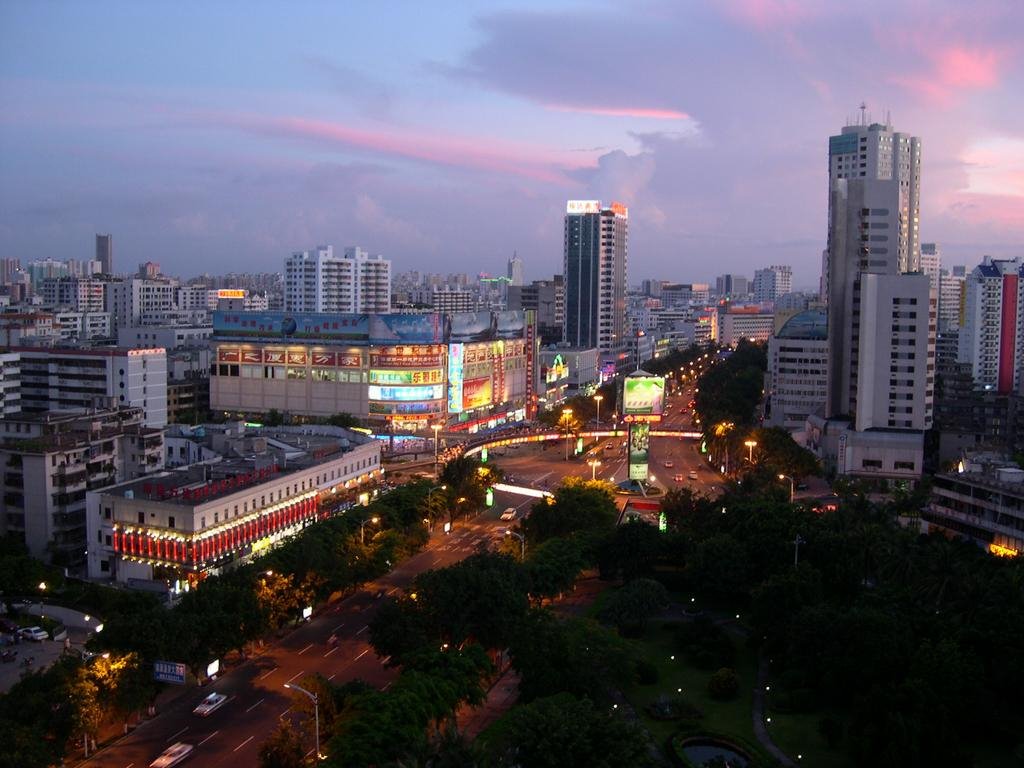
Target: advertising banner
<point x="169" y="672"/>
<point x="375" y="392"/>
<point x="639" y="442"/>
<point x="273" y="356"/>
<point x="418" y="356"/>
<point x="252" y="356"/>
<point x="455" y="378"/>
<point x="228" y="355"/>
<point x="296" y="357"/>
<point x="643" y="396"/>
<point x="476" y="393"/>
<point x="406" y="377"/>
<point x="509" y="324"/>
<point x="288" y="325"/>
<point x="471" y="326"/>
<point x="583" y="206"/>
<point x="406" y="328"/>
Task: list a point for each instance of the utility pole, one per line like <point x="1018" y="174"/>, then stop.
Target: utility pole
<point x="796" y="549"/>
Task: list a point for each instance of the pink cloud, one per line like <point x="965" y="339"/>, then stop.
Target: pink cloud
<point x="472" y="153"/>
<point x="641" y="112"/>
<point x="770" y="13"/>
<point x="958" y="67"/>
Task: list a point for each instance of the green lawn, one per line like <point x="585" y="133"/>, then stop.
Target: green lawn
<point x="730" y="718"/>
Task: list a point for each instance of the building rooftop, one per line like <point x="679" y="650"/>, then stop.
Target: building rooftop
<point x="809" y="324"/>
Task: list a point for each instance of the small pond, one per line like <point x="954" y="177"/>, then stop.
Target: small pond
<point x="701" y="752"/>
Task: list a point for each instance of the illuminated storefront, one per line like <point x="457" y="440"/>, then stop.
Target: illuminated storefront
<point x="406" y="370"/>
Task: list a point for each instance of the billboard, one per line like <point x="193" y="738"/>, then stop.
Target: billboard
<point x="406" y="329"/>
<point x="433" y="392"/>
<point x="477" y="393"/>
<point x="509" y="324"/>
<point x="643" y="396"/>
<point x="406" y="377"/>
<point x="309" y="325"/>
<point x="169" y="672"/>
<point x="583" y="206"/>
<point x="419" y="356"/>
<point x="471" y="326"/>
<point x="455" y="378"/>
<point x="639" y="442"/>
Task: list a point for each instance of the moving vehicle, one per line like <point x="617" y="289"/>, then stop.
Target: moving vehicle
<point x="668" y="464"/>
<point x="679" y="478"/>
<point x="35" y="633"/>
<point x="509" y="514"/>
<point x="173" y="755"/>
<point x="693" y="475"/>
<point x="8" y="655"/>
<point x="210" y="704"/>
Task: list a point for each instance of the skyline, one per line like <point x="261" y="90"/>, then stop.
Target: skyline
<point x="210" y="141"/>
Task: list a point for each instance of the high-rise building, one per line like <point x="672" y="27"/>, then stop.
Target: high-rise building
<point x="951" y="300"/>
<point x="931" y="264"/>
<point x="728" y="286"/>
<point x="880" y="320"/>
<point x="105" y="253"/>
<point x="318" y="281"/>
<point x="875" y="151"/>
<point x="798" y="369"/>
<point x="547" y="299"/>
<point x="595" y="269"/>
<point x="78" y="293"/>
<point x="772" y="282"/>
<point x="515" y="270"/>
<point x="992" y="337"/>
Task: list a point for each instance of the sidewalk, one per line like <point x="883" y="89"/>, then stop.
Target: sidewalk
<point x="500" y="698"/>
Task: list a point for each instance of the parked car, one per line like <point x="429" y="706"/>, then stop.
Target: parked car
<point x="8" y="655"/>
<point x="668" y="464"/>
<point x="693" y="475"/>
<point x="210" y="704"/>
<point x="509" y="514"/>
<point x="34" y="633"/>
<point x="173" y="755"/>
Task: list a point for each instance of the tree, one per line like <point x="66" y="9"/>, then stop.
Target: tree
<point x="629" y="607"/>
<point x="283" y="748"/>
<point x="553" y="567"/>
<point x="577" y="505"/>
<point x="561" y="730"/>
<point x="779" y="453"/>
<point x="724" y="685"/>
<point x="280" y="598"/>
<point x="631" y="550"/>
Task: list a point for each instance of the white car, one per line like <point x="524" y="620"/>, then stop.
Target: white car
<point x="210" y="704"/>
<point x="34" y="633"/>
<point x="173" y="755"/>
<point x="509" y="514"/>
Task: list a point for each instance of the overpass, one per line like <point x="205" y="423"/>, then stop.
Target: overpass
<point x="494" y="441"/>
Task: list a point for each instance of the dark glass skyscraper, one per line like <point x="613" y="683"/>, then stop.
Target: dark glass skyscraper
<point x="105" y="253"/>
<point x="595" y="274"/>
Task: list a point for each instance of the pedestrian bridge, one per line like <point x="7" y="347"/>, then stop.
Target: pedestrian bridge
<point x="495" y="441"/>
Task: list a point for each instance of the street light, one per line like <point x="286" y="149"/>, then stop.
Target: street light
<point x="426" y="503"/>
<point x="791" y="488"/>
<point x="751" y="445"/>
<point x="594" y="464"/>
<point x="362" y="525"/>
<point x="436" y="428"/>
<point x="316" y="711"/>
<point x="522" y="543"/>
<point x="566" y="414"/>
<point x="598" y="399"/>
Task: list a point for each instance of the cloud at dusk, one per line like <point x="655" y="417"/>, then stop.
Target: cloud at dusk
<point x="447" y="142"/>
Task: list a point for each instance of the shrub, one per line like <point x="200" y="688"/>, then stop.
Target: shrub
<point x="706" y="645"/>
<point x="646" y="673"/>
<point x="724" y="684"/>
<point x="831" y="731"/>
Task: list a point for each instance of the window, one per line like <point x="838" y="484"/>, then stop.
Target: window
<point x="170" y="521"/>
<point x="142" y="518"/>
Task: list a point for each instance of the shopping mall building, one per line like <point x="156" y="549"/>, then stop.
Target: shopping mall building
<point x="406" y="371"/>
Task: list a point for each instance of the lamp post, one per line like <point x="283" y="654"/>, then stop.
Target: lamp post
<point x="426" y="503"/>
<point x="598" y="399"/>
<point x="436" y="428"/>
<point x="751" y="445"/>
<point x="362" y="526"/>
<point x="566" y="415"/>
<point x="316" y="711"/>
<point x="594" y="464"/>
<point x="522" y="543"/>
<point x="796" y="549"/>
<point x="791" y="488"/>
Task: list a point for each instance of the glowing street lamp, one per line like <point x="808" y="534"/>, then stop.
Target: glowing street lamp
<point x="594" y="464"/>
<point x="751" y="445"/>
<point x="791" y="485"/>
<point x="316" y="711"/>
<point x="362" y="526"/>
<point x="598" y="399"/>
<point x="566" y="416"/>
<point x="436" y="428"/>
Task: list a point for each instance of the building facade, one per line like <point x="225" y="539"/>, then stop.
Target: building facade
<point x="105" y="253"/>
<point x="738" y="324"/>
<point x="772" y="282"/>
<point x="61" y="379"/>
<point x="798" y="369"/>
<point x="318" y="281"/>
<point x="50" y="461"/>
<point x="595" y="272"/>
<point x="992" y="338"/>
<point x="406" y="370"/>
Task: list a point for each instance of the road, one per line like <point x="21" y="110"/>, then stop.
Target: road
<point x="232" y="735"/>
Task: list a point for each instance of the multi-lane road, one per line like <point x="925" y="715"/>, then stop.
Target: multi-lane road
<point x="257" y="699"/>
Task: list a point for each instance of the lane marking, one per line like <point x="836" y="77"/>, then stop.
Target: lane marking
<point x="386" y="686"/>
<point x="385" y="660"/>
<point x="285" y="712"/>
<point x="392" y="590"/>
<point x="363" y="629"/>
<point x="250" y="709"/>
<point x="330" y="651"/>
<point x="243" y="743"/>
<point x="357" y="658"/>
<point x="294" y="676"/>
<point x="206" y="739"/>
<point x="268" y="674"/>
<point x="172" y="738"/>
<point x="335" y="630"/>
<point x="305" y="649"/>
<point x="331" y="677"/>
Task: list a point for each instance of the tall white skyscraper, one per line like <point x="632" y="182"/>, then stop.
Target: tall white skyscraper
<point x="318" y="281"/>
<point x="992" y="337"/>
<point x="881" y="319"/>
<point x="515" y="270"/>
<point x="772" y="282"/>
<point x="931" y="264"/>
<point x="595" y="267"/>
<point x="876" y="151"/>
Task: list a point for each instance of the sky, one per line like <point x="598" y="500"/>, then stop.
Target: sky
<point x="221" y="136"/>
